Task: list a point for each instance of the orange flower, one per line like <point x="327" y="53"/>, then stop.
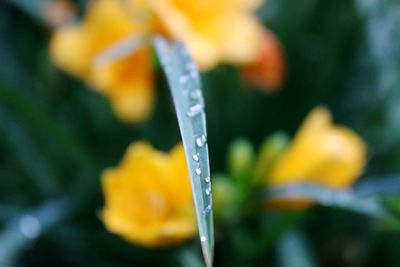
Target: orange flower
<point x="148" y="198"/>
<point x="267" y="72"/>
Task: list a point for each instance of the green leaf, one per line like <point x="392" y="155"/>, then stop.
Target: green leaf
<point x="188" y="258"/>
<point x="388" y="185"/>
<point x="32" y="8"/>
<point x="25" y="228"/>
<point x="35" y="114"/>
<point x="259" y="239"/>
<point x="294" y="251"/>
<point x="225" y="198"/>
<point x="241" y="159"/>
<point x="184" y="84"/>
<point x="18" y="141"/>
<point x="7" y="211"/>
<point x="345" y="199"/>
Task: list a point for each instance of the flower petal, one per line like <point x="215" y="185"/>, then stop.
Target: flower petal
<point x="128" y="83"/>
<point x="206" y="28"/>
<point x="127" y="80"/>
<point x="70" y="49"/>
<point x="139" y="203"/>
<point x="321" y="153"/>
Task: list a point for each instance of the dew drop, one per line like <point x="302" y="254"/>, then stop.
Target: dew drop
<point x="30" y="226"/>
<point x="192" y="70"/>
<point x="207" y="209"/>
<point x="184" y="79"/>
<point x="203" y="239"/>
<point x="196" y="94"/>
<point x="201" y="140"/>
<point x="198" y="171"/>
<point x="207" y="179"/>
<point x="195" y="110"/>
<point x="208" y="190"/>
<point x="196" y="156"/>
<point x="195" y="75"/>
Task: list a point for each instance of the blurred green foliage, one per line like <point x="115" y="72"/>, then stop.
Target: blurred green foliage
<point x="56" y="137"/>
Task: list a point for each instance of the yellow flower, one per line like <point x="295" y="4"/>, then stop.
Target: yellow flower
<point x="321" y="153"/>
<point x="148" y="198"/>
<point x="127" y="81"/>
<point x="215" y="31"/>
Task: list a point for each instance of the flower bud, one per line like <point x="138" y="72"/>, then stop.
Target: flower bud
<point x="241" y="159"/>
<point x="224" y="197"/>
<point x="271" y="150"/>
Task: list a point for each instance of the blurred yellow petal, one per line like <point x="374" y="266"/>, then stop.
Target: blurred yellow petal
<point x="206" y="28"/>
<point x="321" y="153"/>
<point x="127" y="79"/>
<point x="128" y="83"/>
<point x="133" y="104"/>
<point x="111" y="20"/>
<point x="243" y="45"/>
<point x="74" y="47"/>
<point x="147" y="197"/>
<point x="70" y="49"/>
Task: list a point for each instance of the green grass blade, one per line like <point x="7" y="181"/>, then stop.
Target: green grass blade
<point x="32" y="8"/>
<point x="184" y="83"/>
<point x="294" y="251"/>
<point x="345" y="199"/>
<point x="33" y="113"/>
<point x="388" y="185"/>
<point x="188" y="258"/>
<point x="25" y="228"/>
<point x="18" y="141"/>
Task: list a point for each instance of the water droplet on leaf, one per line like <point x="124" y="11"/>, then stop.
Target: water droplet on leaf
<point x="198" y="171"/>
<point x="208" y="189"/>
<point x="195" y="110"/>
<point x="184" y="79"/>
<point x="196" y="94"/>
<point x="196" y="156"/>
<point x="207" y="209"/>
<point x="201" y="140"/>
